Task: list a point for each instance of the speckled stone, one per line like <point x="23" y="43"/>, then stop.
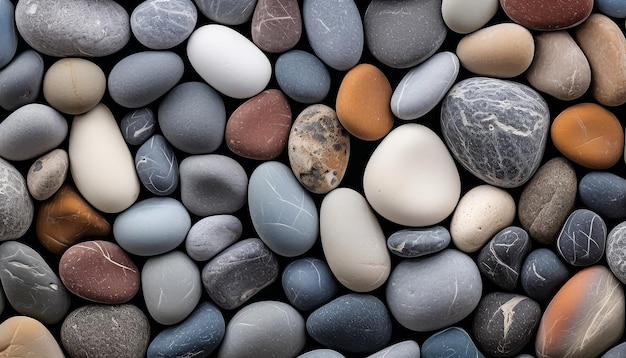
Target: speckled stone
<point x="302" y="76"/>
<point x="453" y="342"/>
<point x="308" y="283"/>
<point x="161" y="25"/>
<point x="22" y="336"/>
<point x="502" y="258"/>
<point x="210" y="235"/>
<point x="410" y="243"/>
<point x="604" y="193"/>
<point x="8" y="33"/>
<point x="619" y="351"/>
<point x="552" y="15"/>
<point x="226" y="12"/>
<point x="404" y="349"/>
<point x="542" y="274"/>
<point x="21" y="80"/>
<point x="157" y="166"/>
<point x="16" y="206"/>
<point x="138" y="125"/>
<point x="582" y="239"/>
<point x="507" y="141"/>
<point x="616" y="251"/>
<point x="276" y="25"/>
<point x="47" y="174"/>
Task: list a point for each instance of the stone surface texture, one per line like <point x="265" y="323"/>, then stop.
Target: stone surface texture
<point x="276" y="25"/>
<point x="16" y="206"/>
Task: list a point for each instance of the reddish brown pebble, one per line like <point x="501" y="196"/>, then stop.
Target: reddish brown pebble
<point x="276" y="25"/>
<point x="547" y="14"/>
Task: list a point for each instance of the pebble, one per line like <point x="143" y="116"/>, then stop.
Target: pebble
<point x="500" y="261"/>
<point x="161" y="25"/>
<point x="616" y="251"/>
<point x="192" y="118"/>
<point x="354" y="323"/>
<point x="138" y="125"/>
<point x="241" y="71"/>
<point x="157" y="166"/>
<point x="99" y="271"/>
<point x="433" y="292"/>
<point x="8" y="35"/>
<point x="504" y="323"/>
<point x="171" y="287"/>
<point x="481" y="213"/>
<point x="212" y="184"/>
<point x="453" y="342"/>
<point x="591" y="306"/>
<point x="416" y="242"/>
<point x="198" y="335"/>
<point x="152" y="226"/>
<point x="353" y="241"/>
<point x="266" y="328"/>
<point x="74" y="85"/>
<point x="604" y="193"/>
<point x="226" y="12"/>
<point x="302" y="76"/>
<point x="31" y="287"/>
<point x="30" y="131"/>
<point x="539" y="15"/>
<point x="238" y="273"/>
<point x="47" y="174"/>
<point x="259" y="128"/>
<point x="66" y="219"/>
<point x="21" y="80"/>
<point x="282" y="212"/>
<point x="407" y="187"/>
<point x="363" y="103"/>
<point x="321" y="353"/>
<point x="67" y="28"/>
<point x="543" y="273"/>
<point x="616" y="352"/>
<point x="127" y="331"/>
<point x="507" y="124"/>
<point x="212" y="234"/>
<point x="603" y="42"/>
<point x="590" y="135"/>
<point x="547" y="199"/>
<point x="582" y="239"/>
<point x="308" y="283"/>
<point x="335" y="31"/>
<point x="100" y="162"/>
<point x="318" y="149"/>
<point x="404" y="349"/>
<point x="613" y="8"/>
<point x="22" y="336"/>
<point x="276" y="25"/>
<point x="423" y="87"/>
<point x="16" y="206"/>
<point x="465" y="16"/>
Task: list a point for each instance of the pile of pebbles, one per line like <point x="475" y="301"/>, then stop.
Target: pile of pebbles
<point x="317" y="178"/>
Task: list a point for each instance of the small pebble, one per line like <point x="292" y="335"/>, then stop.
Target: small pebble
<point x="404" y="349"/>
<point x="500" y="261"/>
<point x="616" y="251"/>
<point x="21" y="80"/>
<point x="613" y="8"/>
<point x="302" y="76"/>
<point x="582" y="239"/>
<point x="74" y="85"/>
<point x="212" y="234"/>
<point x="157" y="166"/>
<point x="453" y="342"/>
<point x="226" y="12"/>
<point x="161" y="25"/>
<point x="47" y="174"/>
<point x="539" y="15"/>
<point x="8" y="33"/>
<point x="321" y="353"/>
<point x="16" y="206"/>
<point x="411" y="243"/>
<point x="276" y="25"/>
<point x="138" y="125"/>
<point x="543" y="273"/>
<point x="308" y="283"/>
<point x="618" y="351"/>
<point x="465" y="16"/>
<point x="604" y="193"/>
<point x="22" y="336"/>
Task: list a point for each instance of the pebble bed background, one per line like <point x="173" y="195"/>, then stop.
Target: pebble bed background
<point x="376" y="335"/>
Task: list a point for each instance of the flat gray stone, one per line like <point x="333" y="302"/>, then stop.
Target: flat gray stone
<point x="418" y="242"/>
<point x="8" y="33"/>
<point x="21" y="80"/>
<point x="16" y="206"/>
<point x="302" y="76"/>
<point x="604" y="193"/>
<point x="543" y="273"/>
<point x="619" y="351"/>
<point x="227" y="12"/>
<point x="308" y="283"/>
<point x="321" y="353"/>
<point x="138" y="125"/>
<point x="453" y="342"/>
<point x="157" y="166"/>
<point x="212" y="234"/>
<point x="161" y="25"/>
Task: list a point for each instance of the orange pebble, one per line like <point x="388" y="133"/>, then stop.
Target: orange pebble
<point x="363" y="103"/>
<point x="590" y="135"/>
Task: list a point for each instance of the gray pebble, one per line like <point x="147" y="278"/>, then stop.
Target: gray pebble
<point x="210" y="235"/>
<point x="1" y="299"/>
<point x="302" y="76"/>
<point x="619" y="351"/>
<point x="500" y="261"/>
<point x="616" y="251"/>
<point x="453" y="342"/>
<point x="543" y="273"/>
<point x="8" y="35"/>
<point x="417" y="242"/>
<point x="138" y="125"/>
<point x="321" y="353"/>
<point x="163" y="24"/>
<point x="47" y="174"/>
<point x="308" y="283"/>
<point x="16" y="206"/>
<point x="157" y="166"/>
<point x="21" y="80"/>
<point x="604" y="193"/>
<point x="227" y="12"/>
<point x="404" y="349"/>
<point x="582" y="239"/>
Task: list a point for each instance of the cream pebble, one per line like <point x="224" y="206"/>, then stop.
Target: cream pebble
<point x="465" y="16"/>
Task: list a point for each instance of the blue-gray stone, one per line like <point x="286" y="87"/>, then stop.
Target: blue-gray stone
<point x="21" y="80"/>
<point x="132" y="82"/>
<point x="302" y="76"/>
<point x="616" y="251"/>
<point x="31" y="286"/>
<point x="355" y="323"/>
<point x="161" y="25"/>
<point x="282" y="212"/>
<point x="619" y="351"/>
<point x="453" y="342"/>
<point x="227" y="12"/>
<point x="613" y="8"/>
<point x="1" y="298"/>
<point x="8" y="35"/>
<point x="138" y="125"/>
<point x="69" y="28"/>
<point x="423" y="87"/>
<point x="210" y="235"/>
<point x="152" y="226"/>
<point x="404" y="349"/>
<point x="582" y="239"/>
<point x="604" y="193"/>
<point x="197" y="336"/>
<point x="402" y="34"/>
<point x="500" y="261"/>
<point x="16" y="205"/>
<point x="543" y="273"/>
<point x="157" y="166"/>
<point x="321" y="353"/>
<point x="193" y="118"/>
<point x="335" y="31"/>
<point x="418" y="242"/>
<point x="308" y="283"/>
<point x="496" y="129"/>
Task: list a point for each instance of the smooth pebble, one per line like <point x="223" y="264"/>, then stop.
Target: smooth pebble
<point x="22" y="336"/>
<point x="616" y="251"/>
<point x="21" y="80"/>
<point x="157" y="166"/>
<point x="47" y="174"/>
<point x="416" y="242"/>
<point x="613" y="8"/>
<point x="465" y="16"/>
<point x="582" y="239"/>
<point x="404" y="349"/>
<point x="302" y="76"/>
<point x="138" y="125"/>
<point x="543" y="273"/>
<point x="545" y="16"/>
<point x="276" y="25"/>
<point x="8" y="33"/>
<point x="74" y="85"/>
<point x="161" y="25"/>
<point x="308" y="283"/>
<point x="500" y="261"/>
<point x="212" y="234"/>
<point x="604" y="193"/>
<point x="453" y="342"/>
<point x="226" y="12"/>
<point x="16" y="206"/>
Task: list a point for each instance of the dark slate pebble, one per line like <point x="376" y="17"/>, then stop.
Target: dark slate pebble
<point x="227" y="12"/>
<point x="138" y="125"/>
<point x="8" y="33"/>
<point x="604" y="193"/>
<point x="302" y="76"/>
<point x="616" y="251"/>
<point x="308" y="283"/>
<point x="543" y="273"/>
<point x="355" y="322"/>
<point x="212" y="234"/>
<point x="21" y="80"/>
<point x="419" y="241"/>
<point x="502" y="258"/>
<point x="582" y="239"/>
<point x="619" y="351"/>
<point x="453" y="342"/>
<point x="404" y="349"/>
<point x="157" y="166"/>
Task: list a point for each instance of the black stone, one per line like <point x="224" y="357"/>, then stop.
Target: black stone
<point x="582" y="239"/>
<point x="604" y="193"/>
<point x="543" y="273"/>
<point x="418" y="242"/>
<point x="138" y="125"/>
<point x="501" y="259"/>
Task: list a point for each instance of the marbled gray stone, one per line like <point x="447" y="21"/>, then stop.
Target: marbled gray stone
<point x="402" y="34"/>
<point x="404" y="349"/>
<point x="496" y="129"/>
<point x="500" y="261"/>
<point x="302" y="76"/>
<point x="239" y="272"/>
<point x="543" y="273"/>
<point x="70" y="28"/>
<point x="157" y="166"/>
<point x="21" y="80"/>
<point x="616" y="251"/>
<point x="227" y="12"/>
<point x="193" y="118"/>
<point x="582" y="239"/>
<point x="8" y="35"/>
<point x="418" y="242"/>
<point x="604" y="193"/>
<point x="163" y="24"/>
<point x="619" y="351"/>
<point x="335" y="31"/>
<point x="212" y="234"/>
<point x="308" y="283"/>
<point x="453" y="342"/>
<point x="138" y="125"/>
<point x="31" y="286"/>
<point x="321" y="353"/>
<point x="16" y="206"/>
<point x="132" y="82"/>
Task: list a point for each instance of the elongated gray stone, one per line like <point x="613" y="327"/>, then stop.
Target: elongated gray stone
<point x="419" y="241"/>
<point x="161" y="25"/>
<point x="502" y="258"/>
<point x="21" y="80"/>
<point x="16" y="206"/>
<point x="8" y="35"/>
<point x="582" y="239"/>
<point x="157" y="166"/>
<point x="227" y="12"/>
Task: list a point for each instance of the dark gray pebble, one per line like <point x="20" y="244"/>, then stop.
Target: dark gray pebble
<point x="138" y="125"/>
<point x="582" y="239"/>
<point x="453" y="342"/>
<point x="210" y="235"/>
<point x="616" y="251"/>
<point x="302" y="76"/>
<point x="419" y="241"/>
<point x="604" y="193"/>
<point x="157" y="166"/>
<point x="619" y="351"/>
<point x="543" y="273"/>
<point x="308" y="283"/>
<point x="227" y="12"/>
<point x="501" y="259"/>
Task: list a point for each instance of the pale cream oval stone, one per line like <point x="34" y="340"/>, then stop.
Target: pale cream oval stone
<point x="481" y="213"/>
<point x="74" y="85"/>
<point x="465" y="16"/>
<point x="353" y="242"/>
<point x="101" y="164"/>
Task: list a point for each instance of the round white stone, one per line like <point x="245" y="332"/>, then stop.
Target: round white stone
<point x="465" y="16"/>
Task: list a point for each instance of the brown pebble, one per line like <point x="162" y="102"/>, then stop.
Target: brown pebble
<point x="47" y="174"/>
<point x="22" y="336"/>
<point x="547" y="14"/>
<point x="276" y="25"/>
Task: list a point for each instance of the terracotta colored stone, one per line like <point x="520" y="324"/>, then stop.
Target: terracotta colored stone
<point x="363" y="103"/>
<point x="276" y="25"/>
<point x="66" y="218"/>
<point x="47" y="174"/>
<point x="259" y="128"/>
<point x="547" y="14"/>
<point x="99" y="271"/>
<point x="588" y="134"/>
<point x="22" y="336"/>
<point x="585" y="318"/>
<point x="603" y="42"/>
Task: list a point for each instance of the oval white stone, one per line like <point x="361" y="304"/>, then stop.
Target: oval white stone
<point x="465" y="16"/>
<point x="228" y="61"/>
<point x="411" y="178"/>
<point x="100" y="162"/>
<point x="353" y="242"/>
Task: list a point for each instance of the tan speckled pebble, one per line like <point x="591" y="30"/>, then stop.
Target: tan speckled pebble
<point x="25" y="337"/>
<point x="74" y="85"/>
<point x="47" y="174"/>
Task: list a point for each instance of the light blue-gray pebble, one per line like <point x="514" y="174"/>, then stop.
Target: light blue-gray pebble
<point x="282" y="212"/>
<point x="321" y="353"/>
<point x="453" y="342"/>
<point x="1" y="298"/>
<point x="302" y="76"/>
<point x="419" y="241"/>
<point x="138" y="125"/>
<point x="619" y="351"/>
<point x="227" y="12"/>
<point x="613" y="8"/>
<point x="8" y="35"/>
<point x="21" y="80"/>
<point x="405" y="349"/>
<point x="308" y="283"/>
<point x="157" y="166"/>
<point x="210" y="235"/>
<point x="160" y="25"/>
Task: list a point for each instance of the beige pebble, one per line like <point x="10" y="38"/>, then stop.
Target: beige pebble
<point x="47" y="174"/>
<point x="25" y="337"/>
<point x="74" y="85"/>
